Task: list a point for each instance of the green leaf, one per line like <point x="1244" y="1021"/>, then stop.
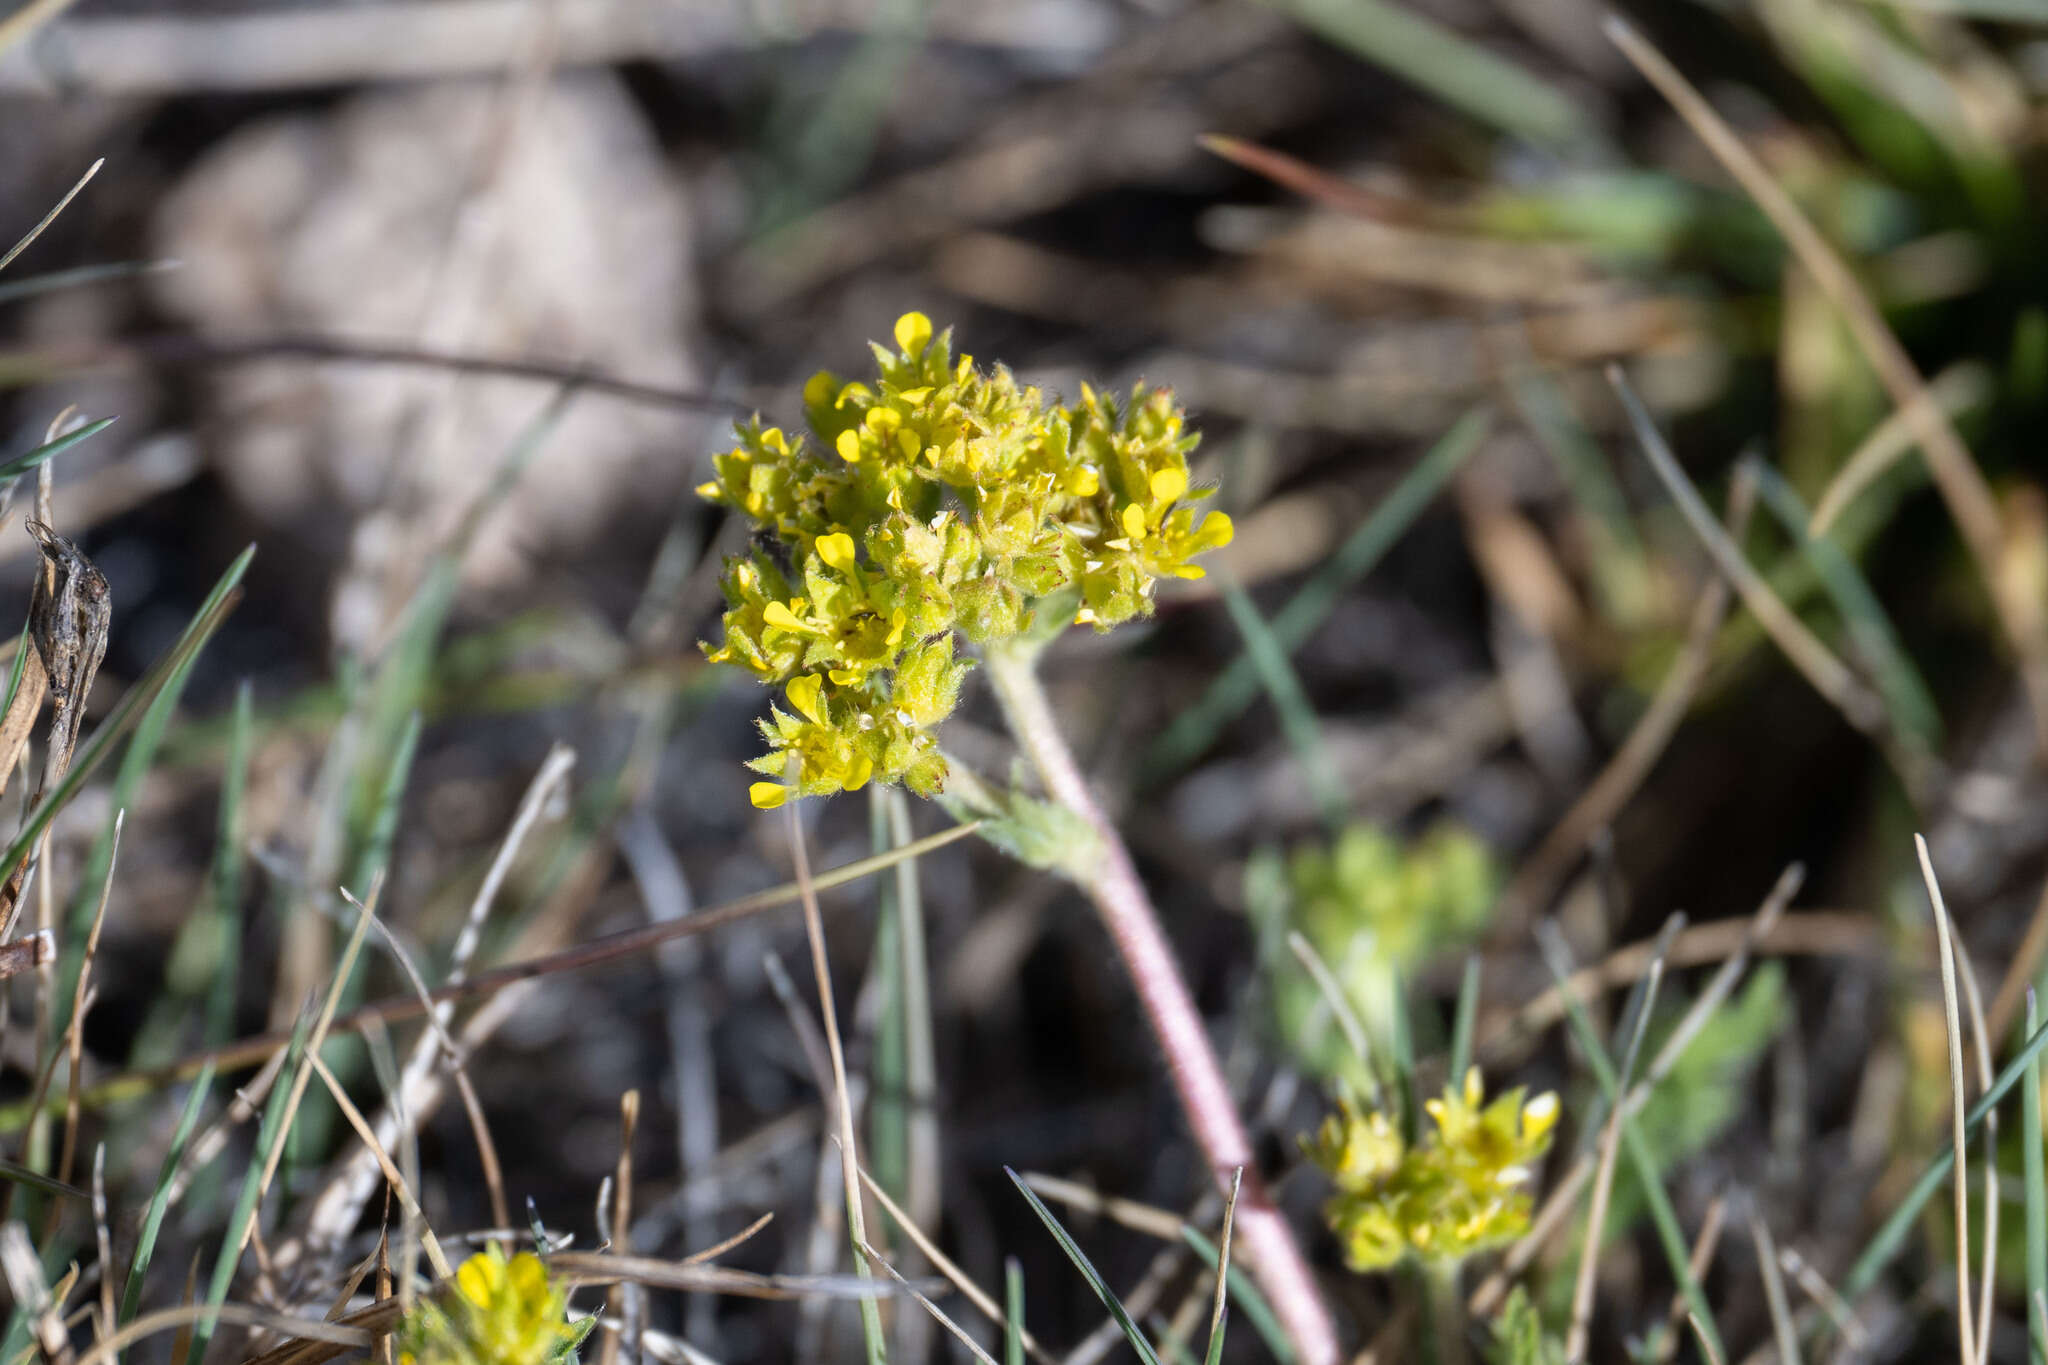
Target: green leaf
<point x="1088" y="1271"/>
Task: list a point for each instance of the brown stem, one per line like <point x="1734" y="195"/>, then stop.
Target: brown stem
<point x="1261" y="1231"/>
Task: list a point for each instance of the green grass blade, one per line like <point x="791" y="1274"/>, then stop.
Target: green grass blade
<point x="2036" y="1188"/>
<point x="160" y="1201"/>
<point x="1088" y="1271"/>
<point x="1013" y="1312"/>
<point x="1237" y="687"/>
<point x="131" y="706"/>
<point x="1669" y="1235"/>
<point x="224" y="878"/>
<point x="21" y="648"/>
<point x="1620" y="563"/>
<point x="1463" y="1023"/>
<point x="1905" y="692"/>
<point x="1462" y="74"/>
<point x="50" y="450"/>
<point x="52" y="280"/>
<point x="1245" y="1296"/>
<point x="269" y="1134"/>
<point x="1298" y="719"/>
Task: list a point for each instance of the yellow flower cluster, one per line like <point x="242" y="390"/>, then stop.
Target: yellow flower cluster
<point x="936" y="497"/>
<point x="501" y="1312"/>
<point x="1460" y="1190"/>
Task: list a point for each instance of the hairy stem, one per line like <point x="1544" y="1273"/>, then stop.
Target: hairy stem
<point x="1261" y="1232"/>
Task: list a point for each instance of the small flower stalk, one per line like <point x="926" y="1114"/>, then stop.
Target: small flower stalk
<point x="499" y="1312"/>
<point x="931" y="500"/>
<point x="1461" y="1189"/>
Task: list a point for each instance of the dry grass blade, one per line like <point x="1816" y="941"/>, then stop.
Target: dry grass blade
<point x="1562" y="1200"/>
<point x="718" y="1249"/>
<point x="74" y="1028"/>
<point x="396" y="1180"/>
<point x="1803" y="933"/>
<point x="1830" y="677"/>
<point x="2019" y="970"/>
<point x="1961" y="386"/>
<point x="1973" y="1001"/>
<point x="1333" y="996"/>
<point x="341" y="1336"/>
<point x="1222" y="1301"/>
<point x="1703" y="1248"/>
<point x="1816" y="1287"/>
<point x="609" y="948"/>
<point x="11" y="29"/>
<point x="1579" y="1334"/>
<point x="849" y="1151"/>
<point x="944" y="1264"/>
<point x="1963" y="488"/>
<point x="1965" y="1316"/>
<point x="1783" y="1331"/>
<point x="959" y="1333"/>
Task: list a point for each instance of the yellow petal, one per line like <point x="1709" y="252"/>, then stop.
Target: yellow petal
<point x="836" y="550"/>
<point x="804" y="695"/>
<point x="1134" y="521"/>
<point x="1169" y="483"/>
<point x="1084" y="482"/>
<point x="913" y="331"/>
<point x="774" y="440"/>
<point x="1218" y="529"/>
<point x="819" y="387"/>
<point x="708" y="490"/>
<point x="780" y="617"/>
<point x="767" y="795"/>
<point x="858" y="773"/>
<point x="907" y="442"/>
<point x="848" y="446"/>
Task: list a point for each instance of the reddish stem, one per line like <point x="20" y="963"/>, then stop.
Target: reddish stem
<point x="1261" y="1234"/>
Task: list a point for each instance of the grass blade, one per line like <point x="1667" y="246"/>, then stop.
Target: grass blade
<point x="160" y="1202"/>
<point x="1463" y="1023"/>
<point x="1247" y="1297"/>
<point x="1087" y="1269"/>
<point x="49" y="450"/>
<point x="1237" y="687"/>
<point x="1462" y="74"/>
<point x="1298" y="720"/>
<point x="1013" y="1312"/>
<point x="2036" y="1189"/>
<point x="1906" y="694"/>
<point x="1676" y="1254"/>
<point x="1219" y="1314"/>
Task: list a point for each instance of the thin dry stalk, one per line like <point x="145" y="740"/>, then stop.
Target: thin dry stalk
<point x="1965" y="1314"/>
<point x="1815" y="1286"/>
<point x="821" y="969"/>
<point x="1973" y="1000"/>
<point x="74" y="1032"/>
<point x="340" y="1204"/>
<point x="1800" y="933"/>
<point x="1960" y="386"/>
<point x="1703" y="1248"/>
<point x="626" y="1336"/>
<point x="12" y="28"/>
<point x="393" y="1178"/>
<point x="1963" y="488"/>
<point x="959" y="1333"/>
<point x="608" y="948"/>
<point x="1579" y="1334"/>
<point x="945" y="1265"/>
<point x="1782" y="1329"/>
<point x="1563" y="1198"/>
